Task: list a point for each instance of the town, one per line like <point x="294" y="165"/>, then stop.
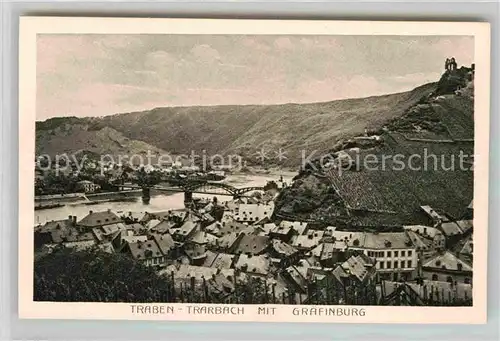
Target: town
<point x="212" y="250"/>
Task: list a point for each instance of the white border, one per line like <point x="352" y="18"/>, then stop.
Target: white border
<point x="31" y="26"/>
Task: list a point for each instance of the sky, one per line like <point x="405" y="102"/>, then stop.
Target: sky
<point x="97" y="75"/>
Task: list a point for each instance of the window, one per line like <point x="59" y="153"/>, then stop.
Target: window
<point x="434" y="277"/>
<point x="396" y="264"/>
<point x="403" y="253"/>
<point x="409" y="263"/>
<point x="409" y="253"/>
<point x="467" y="280"/>
<point x="402" y="264"/>
<point x="381" y="265"/>
<point x="388" y="265"/>
<point x="389" y="254"/>
<point x="449" y="279"/>
<point x="396" y="253"/>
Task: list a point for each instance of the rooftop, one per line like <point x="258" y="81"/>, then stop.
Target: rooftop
<point x="94" y="219"/>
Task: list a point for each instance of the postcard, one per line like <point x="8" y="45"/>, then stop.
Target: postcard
<point x="253" y="170"/>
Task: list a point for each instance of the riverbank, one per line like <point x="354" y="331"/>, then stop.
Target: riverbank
<point x="162" y="202"/>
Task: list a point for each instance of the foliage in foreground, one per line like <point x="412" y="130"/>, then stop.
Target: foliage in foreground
<point x="82" y="276"/>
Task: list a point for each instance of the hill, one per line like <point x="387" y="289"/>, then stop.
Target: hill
<point x="428" y="140"/>
<point x="75" y="136"/>
<point x="238" y="129"/>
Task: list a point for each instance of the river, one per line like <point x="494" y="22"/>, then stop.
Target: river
<point x="161" y="202"/>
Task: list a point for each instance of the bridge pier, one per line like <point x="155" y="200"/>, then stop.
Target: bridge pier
<point x="146" y="195"/>
<point x="188" y="198"/>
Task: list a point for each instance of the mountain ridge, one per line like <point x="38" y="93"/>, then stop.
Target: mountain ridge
<point x="246" y="129"/>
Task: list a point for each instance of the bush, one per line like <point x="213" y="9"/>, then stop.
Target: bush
<point x="95" y="276"/>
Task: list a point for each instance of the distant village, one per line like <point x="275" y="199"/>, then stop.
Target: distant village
<point x="213" y="247"/>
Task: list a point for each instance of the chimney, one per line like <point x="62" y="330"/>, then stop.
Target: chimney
<point x="90" y="212"/>
<point x="74" y="220"/>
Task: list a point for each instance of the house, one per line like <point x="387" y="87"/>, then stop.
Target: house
<point x="235" y="227"/>
<point x="196" y="253"/>
<point x="60" y="232"/>
<point x="395" y="255"/>
<point x="98" y="219"/>
<point x="356" y="270"/>
<point x="186" y="231"/>
<point x="328" y="254"/>
<point x="265" y="228"/>
<point x="124" y="238"/>
<point x="165" y="226"/>
<point x="227" y="242"/>
<point x="255" y="265"/>
<point x="298" y="227"/>
<point x="51" y="231"/>
<point x="87" y="186"/>
<point x="286" y="253"/>
<point x="308" y="241"/>
<point x="252" y="244"/>
<point x="167" y="246"/>
<point x="146" y="252"/>
<point x="283" y="232"/>
<point x="428" y="232"/>
<point x="455" y="230"/>
<point x="447" y="267"/>
<point x="152" y="224"/>
<point x="219" y="260"/>
<point x="466" y="250"/>
<point x="190" y="276"/>
<point x="251" y="213"/>
<point x="296" y="276"/>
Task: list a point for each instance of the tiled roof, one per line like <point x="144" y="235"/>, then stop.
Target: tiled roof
<point x="163" y="227"/>
<point x="252" y="244"/>
<point x="165" y="243"/>
<point x="196" y="251"/>
<point x="135" y="227"/>
<point x="186" y="228"/>
<point x="202" y="237"/>
<point x="326" y="251"/>
<point x="283" y="248"/>
<point x="298" y="226"/>
<point x="52" y="225"/>
<point x="419" y="241"/>
<point x="227" y="240"/>
<point x="359" y="266"/>
<point x="219" y="260"/>
<point x="145" y="250"/>
<point x="349" y="237"/>
<point x="95" y="219"/>
<point x="134" y="239"/>
<point x="253" y="264"/>
<point x="465" y="225"/>
<point x="387" y="240"/>
<point x="467" y="249"/>
<point x="198" y="272"/>
<point x="234" y="226"/>
<point x="152" y="223"/>
<point x="447" y="261"/>
<point x="451" y="228"/>
<point x="309" y="240"/>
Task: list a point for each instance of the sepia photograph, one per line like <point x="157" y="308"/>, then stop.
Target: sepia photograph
<point x="211" y="172"/>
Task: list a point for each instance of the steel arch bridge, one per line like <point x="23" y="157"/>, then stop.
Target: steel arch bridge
<point x="208" y="187"/>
